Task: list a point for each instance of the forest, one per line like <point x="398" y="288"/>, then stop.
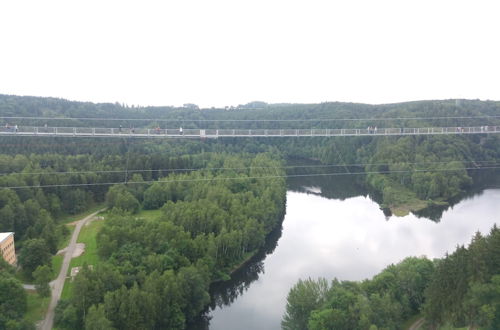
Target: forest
<point x="214" y="211"/>
<point x="460" y="290"/>
<point x="410" y="172"/>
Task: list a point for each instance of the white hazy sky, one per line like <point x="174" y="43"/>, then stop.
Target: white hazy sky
<point x="217" y="53"/>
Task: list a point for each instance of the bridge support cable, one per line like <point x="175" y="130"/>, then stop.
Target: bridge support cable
<point x="221" y="133"/>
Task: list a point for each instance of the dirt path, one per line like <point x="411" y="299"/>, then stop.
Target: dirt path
<point x="417" y="324"/>
<point x="58" y="284"/>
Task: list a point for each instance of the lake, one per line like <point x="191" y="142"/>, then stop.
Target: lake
<point x="333" y="229"/>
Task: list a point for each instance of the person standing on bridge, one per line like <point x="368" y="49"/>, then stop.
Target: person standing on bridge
<point x="16" y="128"/>
<point x="180" y="130"/>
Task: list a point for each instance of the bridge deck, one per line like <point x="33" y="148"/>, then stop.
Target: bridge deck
<point x="221" y="133"/>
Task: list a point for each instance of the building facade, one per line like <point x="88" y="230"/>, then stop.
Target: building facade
<point x="7" y="250"/>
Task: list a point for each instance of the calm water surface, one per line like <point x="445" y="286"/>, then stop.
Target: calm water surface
<point x="350" y="239"/>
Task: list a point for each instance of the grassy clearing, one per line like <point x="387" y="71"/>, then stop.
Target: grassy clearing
<point x="88" y="237"/>
<point x="37" y="306"/>
<point x="65" y="242"/>
<point x="401" y="201"/>
<point x="56" y="266"/>
<point x="149" y="214"/>
<point x="405" y="209"/>
<point x="67" y="218"/>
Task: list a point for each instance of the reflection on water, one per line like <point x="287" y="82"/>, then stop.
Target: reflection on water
<point x="333" y="229"/>
<point x="224" y="293"/>
<point x="483" y="179"/>
<point x="332" y="183"/>
<point x="339" y="183"/>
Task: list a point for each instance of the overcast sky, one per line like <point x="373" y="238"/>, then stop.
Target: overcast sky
<point x="217" y="53"/>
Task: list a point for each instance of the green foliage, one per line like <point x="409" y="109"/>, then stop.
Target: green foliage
<point x="13" y="300"/>
<point x="462" y="289"/>
<point x="42" y="276"/>
<point x="303" y="298"/>
<point x="65" y="316"/>
<point x="33" y="254"/>
<point x="155" y="272"/>
<point x="213" y="218"/>
<point x="96" y="319"/>
<point x="465" y="289"/>
<point x="119" y="197"/>
<point x="382" y="302"/>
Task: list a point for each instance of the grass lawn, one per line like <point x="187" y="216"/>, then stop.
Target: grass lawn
<point x="56" y="266"/>
<point x="149" y="214"/>
<point x="37" y="306"/>
<point x="64" y="242"/>
<point x="88" y="237"/>
<point x="57" y="260"/>
<point x="67" y="218"/>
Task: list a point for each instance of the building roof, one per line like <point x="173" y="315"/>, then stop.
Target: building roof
<point x="4" y="236"/>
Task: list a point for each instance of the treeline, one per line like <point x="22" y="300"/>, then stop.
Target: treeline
<point x="155" y="273"/>
<point x="293" y="115"/>
<point x="13" y="300"/>
<point x="410" y="173"/>
<point x="465" y="287"/>
<point x="462" y="289"/>
<point x="40" y="189"/>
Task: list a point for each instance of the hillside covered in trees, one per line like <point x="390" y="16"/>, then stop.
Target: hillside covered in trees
<point x="215" y="209"/>
<point x="409" y="172"/>
<point x="462" y="289"/>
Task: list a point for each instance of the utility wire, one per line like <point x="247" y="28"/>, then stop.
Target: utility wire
<point x="246" y="178"/>
<point x="493" y="162"/>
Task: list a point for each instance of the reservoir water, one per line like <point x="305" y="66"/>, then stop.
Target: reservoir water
<point x="335" y="230"/>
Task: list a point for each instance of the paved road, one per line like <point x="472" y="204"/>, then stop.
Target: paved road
<point x="58" y="284"/>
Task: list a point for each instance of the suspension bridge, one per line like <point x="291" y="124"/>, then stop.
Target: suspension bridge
<point x="41" y="131"/>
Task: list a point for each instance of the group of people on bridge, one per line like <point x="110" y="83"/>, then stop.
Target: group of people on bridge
<point x="9" y="128"/>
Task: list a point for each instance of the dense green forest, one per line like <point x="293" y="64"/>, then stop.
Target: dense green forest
<point x="159" y="270"/>
<point x="462" y="289"/>
<point x="410" y="173"/>
<point x="13" y="300"/>
<point x="215" y="212"/>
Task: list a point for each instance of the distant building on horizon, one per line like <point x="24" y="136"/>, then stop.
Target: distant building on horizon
<point x="7" y="250"/>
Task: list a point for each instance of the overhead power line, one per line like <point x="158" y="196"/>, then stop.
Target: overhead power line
<point x="248" y="178"/>
<point x="489" y="162"/>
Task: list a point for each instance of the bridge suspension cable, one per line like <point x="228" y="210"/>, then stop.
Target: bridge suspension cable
<point x="221" y="133"/>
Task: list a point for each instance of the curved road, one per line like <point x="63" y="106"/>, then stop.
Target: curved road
<point x="58" y="284"/>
